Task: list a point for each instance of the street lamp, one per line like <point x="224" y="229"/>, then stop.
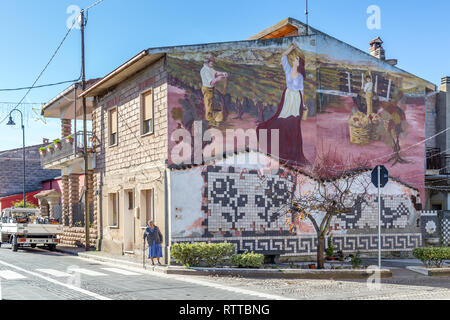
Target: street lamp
<point x="12" y="123"/>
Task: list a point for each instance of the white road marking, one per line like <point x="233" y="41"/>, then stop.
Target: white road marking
<point x="72" y="287"/>
<point x="55" y="273"/>
<point x="121" y="271"/>
<point x="192" y="280"/>
<point x="11" y="275"/>
<point x="88" y="272"/>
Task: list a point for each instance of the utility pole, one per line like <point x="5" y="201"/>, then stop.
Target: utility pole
<point x="86" y="162"/>
<point x="306" y="13"/>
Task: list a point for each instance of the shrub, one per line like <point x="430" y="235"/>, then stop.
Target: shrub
<point x="433" y="256"/>
<point x="19" y="204"/>
<point x="247" y="260"/>
<point x="355" y="259"/>
<point x="330" y="249"/>
<point x="42" y="149"/>
<point x="201" y="253"/>
<point x="56" y="141"/>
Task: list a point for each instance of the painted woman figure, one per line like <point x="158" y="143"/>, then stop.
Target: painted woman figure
<point x="289" y="114"/>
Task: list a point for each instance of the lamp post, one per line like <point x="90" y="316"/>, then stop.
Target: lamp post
<point x="12" y="123"/>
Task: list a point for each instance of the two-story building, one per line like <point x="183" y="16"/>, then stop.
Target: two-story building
<point x="160" y="123"/>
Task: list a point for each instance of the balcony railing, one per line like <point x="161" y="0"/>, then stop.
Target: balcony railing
<point x="67" y="150"/>
<point x="437" y="160"/>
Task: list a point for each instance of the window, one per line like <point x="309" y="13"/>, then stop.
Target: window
<point x="147" y="200"/>
<point x="130" y="200"/>
<point x="147" y="112"/>
<point x="113" y="126"/>
<point x="113" y="209"/>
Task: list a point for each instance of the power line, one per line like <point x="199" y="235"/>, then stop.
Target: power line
<point x="94" y="4"/>
<point x="40" y="86"/>
<point x="15" y="102"/>
<point x="43" y="70"/>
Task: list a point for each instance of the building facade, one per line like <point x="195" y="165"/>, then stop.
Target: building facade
<point x="159" y="131"/>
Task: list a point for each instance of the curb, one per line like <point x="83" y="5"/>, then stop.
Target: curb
<point x="431" y="272"/>
<point x="256" y="273"/>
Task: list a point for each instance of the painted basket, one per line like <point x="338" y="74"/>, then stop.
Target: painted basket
<point x="359" y="135"/>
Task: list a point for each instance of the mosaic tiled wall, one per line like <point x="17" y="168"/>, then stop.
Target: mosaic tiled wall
<point x="244" y="202"/>
<point x="435" y="227"/>
<point x="395" y="211"/>
<point x="307" y="245"/>
<point x="246" y="209"/>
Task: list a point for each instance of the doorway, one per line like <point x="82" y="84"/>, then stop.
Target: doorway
<point x="128" y="222"/>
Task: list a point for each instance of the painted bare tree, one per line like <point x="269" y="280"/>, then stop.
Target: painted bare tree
<point x="332" y="187"/>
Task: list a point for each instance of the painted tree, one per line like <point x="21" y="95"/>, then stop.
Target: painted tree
<point x="332" y="187"/>
<point x="395" y="126"/>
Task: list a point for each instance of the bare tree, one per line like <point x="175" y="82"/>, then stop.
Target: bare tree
<point x="331" y="187"/>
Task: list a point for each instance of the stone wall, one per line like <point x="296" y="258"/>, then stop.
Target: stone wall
<point x="11" y="171"/>
<point x="75" y="236"/>
<point x="137" y="161"/>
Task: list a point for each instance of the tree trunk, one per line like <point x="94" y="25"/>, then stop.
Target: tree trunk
<point x="320" y="251"/>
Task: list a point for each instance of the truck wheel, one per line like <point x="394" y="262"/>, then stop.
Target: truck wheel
<point x="52" y="247"/>
<point x="14" y="246"/>
<point x="33" y="245"/>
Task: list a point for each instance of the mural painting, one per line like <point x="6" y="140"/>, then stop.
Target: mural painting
<point x="321" y="95"/>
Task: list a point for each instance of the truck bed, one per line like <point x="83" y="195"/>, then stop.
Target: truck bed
<point x="29" y="229"/>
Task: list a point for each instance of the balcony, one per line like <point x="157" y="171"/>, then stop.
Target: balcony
<point x="438" y="163"/>
<point x="68" y="153"/>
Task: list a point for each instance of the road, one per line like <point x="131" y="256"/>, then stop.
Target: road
<point x="38" y="274"/>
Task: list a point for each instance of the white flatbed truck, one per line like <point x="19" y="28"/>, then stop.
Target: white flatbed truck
<point x="22" y="227"/>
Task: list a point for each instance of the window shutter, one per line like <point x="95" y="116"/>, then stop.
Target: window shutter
<point x="148" y="106"/>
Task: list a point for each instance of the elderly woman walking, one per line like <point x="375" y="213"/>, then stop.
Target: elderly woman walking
<point x="154" y="240"/>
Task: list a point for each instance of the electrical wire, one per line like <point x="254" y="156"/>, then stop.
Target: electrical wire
<point x="48" y="63"/>
<point x="40" y="86"/>
<point x="43" y="70"/>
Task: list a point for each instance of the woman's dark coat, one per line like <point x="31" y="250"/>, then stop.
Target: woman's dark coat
<point x="153" y="236"/>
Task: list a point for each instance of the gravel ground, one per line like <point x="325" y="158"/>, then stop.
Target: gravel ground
<point x="403" y="285"/>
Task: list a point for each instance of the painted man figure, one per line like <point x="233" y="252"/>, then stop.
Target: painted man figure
<point x="209" y="79"/>
<point x="368" y="89"/>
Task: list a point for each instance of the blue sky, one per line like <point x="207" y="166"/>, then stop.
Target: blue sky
<point x="414" y="32"/>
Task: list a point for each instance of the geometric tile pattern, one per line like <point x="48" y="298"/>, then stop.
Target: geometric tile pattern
<point x="307" y="245"/>
<point x="395" y="211"/>
<point x="445" y="231"/>
<point x="429" y="225"/>
<point x="245" y="202"/>
<point x="249" y="204"/>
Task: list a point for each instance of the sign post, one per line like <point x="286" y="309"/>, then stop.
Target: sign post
<point x="380" y="177"/>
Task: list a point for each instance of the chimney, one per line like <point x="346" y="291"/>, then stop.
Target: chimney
<point x="376" y="49"/>
<point x="445" y="84"/>
<point x="45" y="141"/>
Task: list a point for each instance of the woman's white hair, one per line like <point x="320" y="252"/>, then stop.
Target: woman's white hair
<point x="149" y="222"/>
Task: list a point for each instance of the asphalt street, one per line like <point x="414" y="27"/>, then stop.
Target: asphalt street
<point x="38" y="274"/>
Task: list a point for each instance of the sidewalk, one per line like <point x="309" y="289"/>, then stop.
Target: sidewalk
<point x="278" y="272"/>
